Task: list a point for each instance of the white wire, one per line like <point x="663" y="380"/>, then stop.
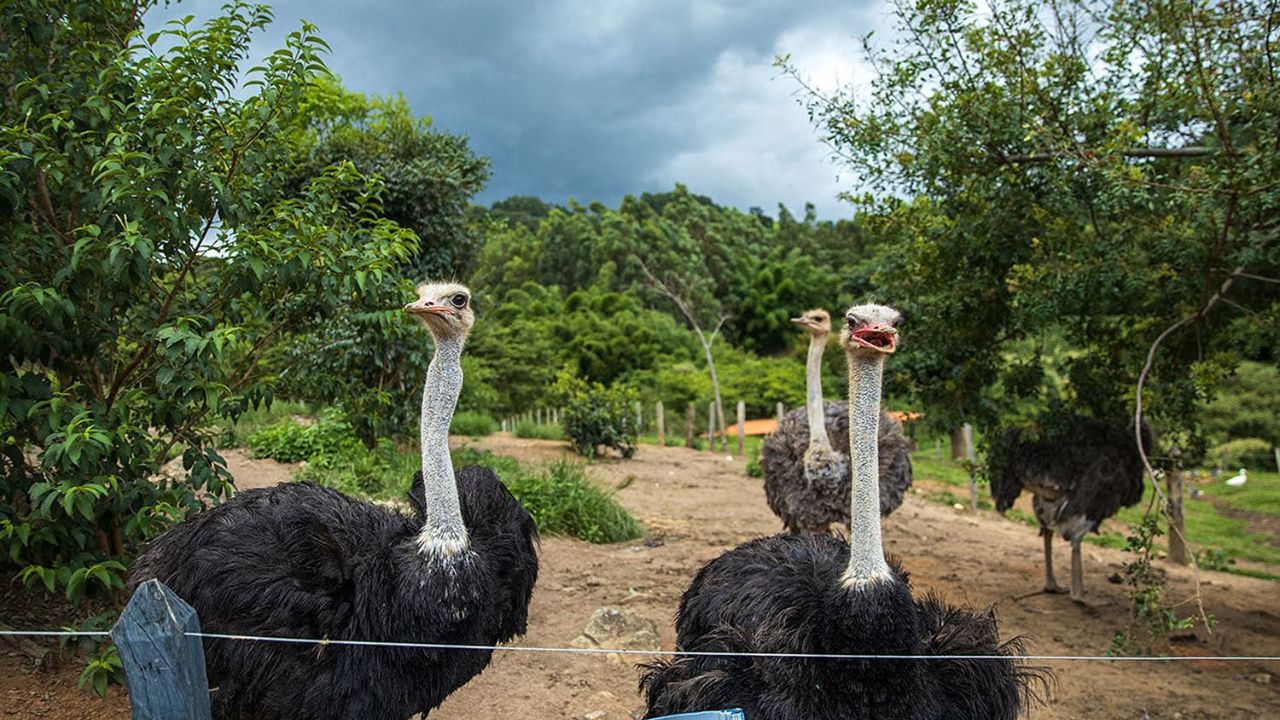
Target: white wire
<point x="674" y="653"/>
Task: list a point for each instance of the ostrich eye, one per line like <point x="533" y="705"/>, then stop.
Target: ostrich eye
<point x="459" y="301"/>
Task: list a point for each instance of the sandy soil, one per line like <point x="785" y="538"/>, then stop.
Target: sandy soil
<point x="696" y="505"/>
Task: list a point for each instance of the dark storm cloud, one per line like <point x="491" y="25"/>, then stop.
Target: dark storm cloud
<point x="594" y="100"/>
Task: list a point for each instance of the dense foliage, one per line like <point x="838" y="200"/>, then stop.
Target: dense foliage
<point x="151" y="260"/>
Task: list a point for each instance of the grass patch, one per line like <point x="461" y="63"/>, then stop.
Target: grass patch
<point x="472" y="424"/>
<point x="1207" y="528"/>
<point x="930" y="467"/>
<point x="531" y="430"/>
<point x="1261" y="494"/>
<point x="561" y="498"/>
<point x="946" y="497"/>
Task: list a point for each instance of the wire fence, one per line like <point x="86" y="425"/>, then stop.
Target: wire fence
<point x="324" y="642"/>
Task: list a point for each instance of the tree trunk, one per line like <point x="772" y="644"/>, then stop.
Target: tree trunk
<point x="967" y="431"/>
<point x="711" y="426"/>
<point x="957" y="443"/>
<point x="715" y="390"/>
<point x="1177" y="524"/>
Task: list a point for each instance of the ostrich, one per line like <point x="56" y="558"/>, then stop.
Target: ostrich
<point x="1077" y="480"/>
<point x="816" y="594"/>
<point x="300" y="560"/>
<point x="806" y="477"/>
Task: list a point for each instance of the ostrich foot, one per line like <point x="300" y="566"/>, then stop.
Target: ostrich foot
<point x="1046" y="590"/>
<point x="1090" y="603"/>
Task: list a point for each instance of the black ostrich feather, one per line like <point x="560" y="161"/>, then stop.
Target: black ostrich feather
<point x="1091" y="471"/>
<point x="300" y="560"/>
<point x="784" y="594"/>
<point x="808" y="508"/>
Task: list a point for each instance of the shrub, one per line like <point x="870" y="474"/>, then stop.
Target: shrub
<point x="1246" y="452"/>
<point x="472" y="424"/>
<point x="561" y="498"/>
<point x="596" y="416"/>
<point x="532" y="430"/>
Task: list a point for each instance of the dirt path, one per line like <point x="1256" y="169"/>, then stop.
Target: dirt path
<point x="696" y="505"/>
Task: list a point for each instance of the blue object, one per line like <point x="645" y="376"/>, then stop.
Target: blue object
<point x="734" y="714"/>
<point x="163" y="664"/>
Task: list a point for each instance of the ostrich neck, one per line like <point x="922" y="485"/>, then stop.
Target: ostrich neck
<point x="866" y="551"/>
<point x="813" y="389"/>
<point x="443" y="531"/>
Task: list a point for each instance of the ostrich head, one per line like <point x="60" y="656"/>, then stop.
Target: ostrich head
<point x="445" y="308"/>
<point x="869" y="331"/>
<point x="816" y="322"/>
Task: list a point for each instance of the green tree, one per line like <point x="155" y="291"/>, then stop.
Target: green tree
<point x="152" y="260"/>
<point x="429" y="175"/>
<point x="1099" y="171"/>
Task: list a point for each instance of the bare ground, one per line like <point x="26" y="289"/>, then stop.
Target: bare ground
<point x="696" y="505"/>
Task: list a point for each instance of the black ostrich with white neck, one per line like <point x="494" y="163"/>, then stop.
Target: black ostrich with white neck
<point x="815" y="594"/>
<point x="301" y="560"/>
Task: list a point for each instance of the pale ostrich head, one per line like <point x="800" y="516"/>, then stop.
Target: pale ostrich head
<point x="445" y="308"/>
<point x="816" y="322"/>
<point x="869" y="330"/>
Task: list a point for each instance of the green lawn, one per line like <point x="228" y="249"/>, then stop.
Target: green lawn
<point x="1218" y="540"/>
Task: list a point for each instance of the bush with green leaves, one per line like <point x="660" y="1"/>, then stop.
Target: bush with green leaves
<point x="472" y="424"/>
<point x="533" y="431"/>
<point x="152" y="258"/>
<point x="596" y="416"/>
<point x="1245" y="452"/>
<point x="561" y="497"/>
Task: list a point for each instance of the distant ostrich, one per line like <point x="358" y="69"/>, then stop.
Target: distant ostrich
<point x="806" y="477"/>
<point x="300" y="560"/>
<point x="816" y="594"/>
<point x="1077" y="480"/>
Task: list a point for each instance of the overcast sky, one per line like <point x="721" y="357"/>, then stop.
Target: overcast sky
<point x="596" y="99"/>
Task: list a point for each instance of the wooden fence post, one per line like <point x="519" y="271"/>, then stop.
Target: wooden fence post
<point x="639" y="417"/>
<point x="164" y="665"/>
<point x="538" y="416"/>
<point x="662" y="423"/>
<point x="690" y="419"/>
<point x="967" y="430"/>
<point x="782" y="411"/>
<point x="742" y="428"/>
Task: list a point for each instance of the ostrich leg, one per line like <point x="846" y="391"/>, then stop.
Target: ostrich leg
<point x="1050" y="584"/>
<point x="1077" y="573"/>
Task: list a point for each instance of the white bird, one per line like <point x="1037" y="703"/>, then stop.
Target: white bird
<point x="1238" y="480"/>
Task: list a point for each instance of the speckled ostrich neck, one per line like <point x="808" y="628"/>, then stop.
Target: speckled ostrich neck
<point x="866" y="549"/>
<point x="443" y="532"/>
<point x="813" y="390"/>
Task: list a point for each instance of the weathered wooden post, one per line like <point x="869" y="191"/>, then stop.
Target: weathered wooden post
<point x="782" y="411"/>
<point x="164" y="665"/>
<point x="639" y="417"/>
<point x="742" y="428"/>
<point x="662" y="423"/>
<point x="967" y="429"/>
<point x="711" y="426"/>
<point x="690" y="419"/>
<point x="1177" y="524"/>
<point x="538" y="416"/>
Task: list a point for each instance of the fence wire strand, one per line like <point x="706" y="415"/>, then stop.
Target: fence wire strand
<point x="667" y="653"/>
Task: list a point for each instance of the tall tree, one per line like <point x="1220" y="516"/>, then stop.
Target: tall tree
<point x="151" y="261"/>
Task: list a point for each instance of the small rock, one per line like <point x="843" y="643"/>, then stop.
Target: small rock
<point x="594" y="715"/>
<point x="957" y="506"/>
<point x="614" y="628"/>
<point x="1262" y="678"/>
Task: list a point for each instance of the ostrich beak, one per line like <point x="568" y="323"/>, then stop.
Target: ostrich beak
<point x="802" y="321"/>
<point x="427" y="307"/>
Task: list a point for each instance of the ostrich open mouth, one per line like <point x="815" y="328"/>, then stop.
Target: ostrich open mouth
<point x="884" y="339"/>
